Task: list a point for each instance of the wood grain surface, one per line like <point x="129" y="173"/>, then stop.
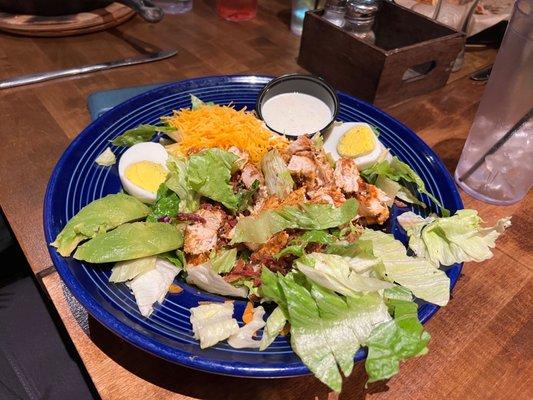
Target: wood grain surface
<point x="481" y="347"/>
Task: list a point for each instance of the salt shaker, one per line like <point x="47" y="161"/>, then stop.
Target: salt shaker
<point x="334" y="12"/>
<point x="359" y="19"/>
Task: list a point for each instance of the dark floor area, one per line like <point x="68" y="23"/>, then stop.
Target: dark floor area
<point x="37" y="359"/>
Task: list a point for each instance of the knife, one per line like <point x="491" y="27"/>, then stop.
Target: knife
<point x="45" y="76"/>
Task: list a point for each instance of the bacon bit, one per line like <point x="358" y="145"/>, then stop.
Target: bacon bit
<point x="175" y="289"/>
<point x="248" y="313"/>
<point x="399" y="203"/>
<point x="190" y="217"/>
<point x="166" y="219"/>
<point x="243" y="270"/>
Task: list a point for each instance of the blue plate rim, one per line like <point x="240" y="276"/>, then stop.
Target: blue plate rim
<point x="145" y="343"/>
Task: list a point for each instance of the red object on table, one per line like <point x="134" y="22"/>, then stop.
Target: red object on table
<point x="237" y="10"/>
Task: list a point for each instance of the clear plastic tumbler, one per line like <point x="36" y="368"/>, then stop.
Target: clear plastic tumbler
<point x="496" y="165"/>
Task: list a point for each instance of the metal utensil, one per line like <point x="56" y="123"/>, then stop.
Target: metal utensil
<point x="45" y="76"/>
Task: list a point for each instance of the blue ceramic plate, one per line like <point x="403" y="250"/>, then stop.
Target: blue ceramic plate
<point x="77" y="180"/>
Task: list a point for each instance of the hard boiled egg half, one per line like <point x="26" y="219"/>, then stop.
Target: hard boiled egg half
<point x="356" y="140"/>
<point x="142" y="168"/>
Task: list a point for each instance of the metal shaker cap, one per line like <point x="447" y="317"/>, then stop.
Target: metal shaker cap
<point x="361" y="9"/>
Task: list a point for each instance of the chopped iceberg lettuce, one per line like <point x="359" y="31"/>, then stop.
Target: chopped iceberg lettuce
<point x="259" y="228"/>
<point x="336" y="273"/>
<point x="152" y="286"/>
<point x="126" y="270"/>
<point x="274" y="325"/>
<point x="244" y="337"/>
<point x="205" y="278"/>
<point x="278" y="178"/>
<point x="213" y="322"/>
<point x="394" y="341"/>
<point x="106" y="158"/>
<point x="450" y="240"/>
<point x="416" y="274"/>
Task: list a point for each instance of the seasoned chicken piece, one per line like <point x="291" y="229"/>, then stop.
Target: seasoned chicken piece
<point x="346" y="175"/>
<point x="273" y="246"/>
<point x="250" y="174"/>
<point x="197" y="259"/>
<point x="372" y="203"/>
<point x="244" y="157"/>
<point x="327" y="195"/>
<point x="202" y="236"/>
<point x="310" y="163"/>
<point x="294" y="198"/>
<point x="302" y="144"/>
<point x="303" y="166"/>
<point x="260" y="200"/>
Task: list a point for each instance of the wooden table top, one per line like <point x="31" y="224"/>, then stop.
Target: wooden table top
<point x="481" y="342"/>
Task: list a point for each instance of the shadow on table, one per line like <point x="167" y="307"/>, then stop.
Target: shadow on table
<point x="449" y="151"/>
<point x="206" y="386"/>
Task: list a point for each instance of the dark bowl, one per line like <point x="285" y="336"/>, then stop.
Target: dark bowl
<point x="299" y="83"/>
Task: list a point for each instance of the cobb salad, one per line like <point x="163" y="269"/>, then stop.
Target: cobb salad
<point x="212" y="197"/>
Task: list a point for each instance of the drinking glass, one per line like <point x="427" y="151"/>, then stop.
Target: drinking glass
<point x="496" y="164"/>
<point x="237" y="10"/>
<point x="299" y="8"/>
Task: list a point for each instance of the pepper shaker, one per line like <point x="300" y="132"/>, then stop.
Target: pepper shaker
<point x="359" y="19"/>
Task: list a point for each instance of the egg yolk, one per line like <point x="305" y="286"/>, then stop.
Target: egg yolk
<point x="147" y="175"/>
<point x="357" y="141"/>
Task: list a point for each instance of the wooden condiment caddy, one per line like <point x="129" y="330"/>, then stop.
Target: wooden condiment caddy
<point x="412" y="55"/>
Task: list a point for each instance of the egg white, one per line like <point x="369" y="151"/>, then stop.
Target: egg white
<point x="379" y="153"/>
<point x="148" y="151"/>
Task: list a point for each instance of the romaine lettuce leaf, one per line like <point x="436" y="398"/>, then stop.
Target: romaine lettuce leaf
<point x="402" y="173"/>
<point x="274" y="325"/>
<point x="152" y="286"/>
<point x="223" y="261"/>
<point x="244" y="337"/>
<point x="296" y="246"/>
<point x="259" y="228"/>
<point x="205" y="278"/>
<point x="131" y="241"/>
<point x="126" y="270"/>
<point x="166" y="204"/>
<point x="278" y="178"/>
<point x="177" y="182"/>
<point x="98" y="217"/>
<point x="209" y="173"/>
<point x="337" y="274"/>
<point x="213" y="322"/>
<point x="175" y="257"/>
<point x="394" y="341"/>
<point x="454" y="239"/>
<point x="416" y="274"/>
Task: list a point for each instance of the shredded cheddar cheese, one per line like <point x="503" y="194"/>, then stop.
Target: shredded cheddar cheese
<point x="248" y="313"/>
<point x="222" y="127"/>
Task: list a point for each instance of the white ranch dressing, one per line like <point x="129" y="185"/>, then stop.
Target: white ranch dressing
<point x="296" y="114"/>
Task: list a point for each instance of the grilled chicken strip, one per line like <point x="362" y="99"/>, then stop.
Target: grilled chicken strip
<point x="202" y="236"/>
<point x="372" y="203"/>
<point x="346" y="175"/>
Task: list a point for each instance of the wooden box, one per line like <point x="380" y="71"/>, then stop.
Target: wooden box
<point x="412" y="55"/>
